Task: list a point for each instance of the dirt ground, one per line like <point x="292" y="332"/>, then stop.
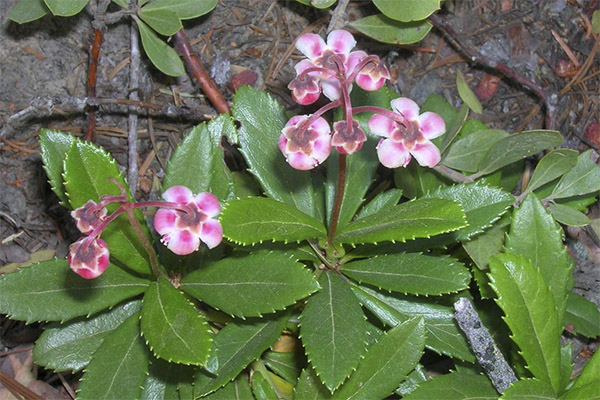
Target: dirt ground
<point x="47" y="60"/>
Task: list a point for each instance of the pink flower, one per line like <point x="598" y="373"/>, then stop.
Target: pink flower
<point x="347" y="141"/>
<point x="305" y="147"/>
<point x="88" y="217"/>
<point x="88" y="257"/>
<point x="408" y="135"/>
<point x="372" y="75"/>
<point x="182" y="231"/>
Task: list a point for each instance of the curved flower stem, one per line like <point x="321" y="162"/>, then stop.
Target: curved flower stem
<point x="385" y="112"/>
<point x="363" y="63"/>
<point x="339" y="196"/>
<point x="137" y="227"/>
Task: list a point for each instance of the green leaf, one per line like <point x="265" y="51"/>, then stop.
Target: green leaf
<point x="360" y="172"/>
<point x="485" y="245"/>
<point x="530" y="314"/>
<point x="172" y="327"/>
<point x="333" y="330"/>
<point x="412" y="381"/>
<point x="310" y="387"/>
<point x="163" y="380"/>
<point x="185" y="9"/>
<point x="87" y="170"/>
<point x="286" y="365"/>
<point x="568" y="215"/>
<point x="163" y="21"/>
<point x="587" y="385"/>
<point x="119" y="366"/>
<point x="70" y="346"/>
<point x="516" y="147"/>
<point x="417" y="218"/>
<point x="410" y="273"/>
<point x="254" y="219"/>
<point x="161" y="54"/>
<point x="466" y="94"/>
<point x="262" y="389"/>
<point x="583" y="316"/>
<point x="454" y="129"/>
<point x="535" y="235"/>
<point x="262" y="120"/>
<point x="27" y="10"/>
<point x="582" y="179"/>
<point x="251" y="285"/>
<point x="383" y="200"/>
<point x="50" y="291"/>
<point x="483" y="205"/>
<point x="387" y="30"/>
<point x="566" y="365"/>
<point x="455" y="386"/>
<point x="551" y="166"/>
<point x="416" y="181"/>
<point x="236" y="390"/>
<point x="407" y="10"/>
<point x="443" y="334"/>
<point x="466" y="153"/>
<point x="122" y="3"/>
<point x="387" y="362"/>
<point x="201" y="150"/>
<point x="54" y="146"/>
<point x="236" y="346"/>
<point x="527" y="389"/>
<point x="321" y="4"/>
<point x="66" y="8"/>
<point x="596" y="21"/>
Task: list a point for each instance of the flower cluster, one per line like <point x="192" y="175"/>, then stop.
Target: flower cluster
<point x="184" y="221"/>
<point x="332" y="68"/>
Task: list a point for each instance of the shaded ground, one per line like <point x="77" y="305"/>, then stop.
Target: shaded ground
<point x="48" y="58"/>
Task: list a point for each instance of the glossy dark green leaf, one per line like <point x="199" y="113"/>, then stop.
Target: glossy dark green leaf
<point x="482" y="204"/>
<point x="583" y="316"/>
<point x="262" y="120"/>
<point x="485" y="245"/>
<point x="197" y="162"/>
<point x="254" y="219"/>
<point x="161" y="54"/>
<point x="530" y="313"/>
<point x="516" y="147"/>
<point x="163" y="380"/>
<point x="410" y="273"/>
<point x="321" y="4"/>
<point x="236" y="346"/>
<point x="407" y="10"/>
<point x="526" y="389"/>
<point x="466" y="94"/>
<point x="286" y="365"/>
<point x="383" y="200"/>
<point x="587" y="385"/>
<point x="87" y="172"/>
<point x="566" y="365"/>
<point x="119" y="366"/>
<point x="333" y="330"/>
<point x="386" y="363"/>
<point x="582" y="179"/>
<point x="27" y="10"/>
<point x="551" y="166"/>
<point x="418" y="218"/>
<point x="262" y="388"/>
<point x="568" y="215"/>
<point x="310" y="386"/>
<point x="416" y="181"/>
<point x="185" y="9"/>
<point x="54" y="147"/>
<point x="412" y="381"/>
<point x="466" y="153"/>
<point x="50" y="291"/>
<point x="251" y="285"/>
<point x="454" y="129"/>
<point x="69" y="346"/>
<point x="238" y="389"/>
<point x="535" y="235"/>
<point x="64" y="8"/>
<point x="443" y="334"/>
<point x="172" y="327"/>
<point x="387" y="30"/>
<point x="164" y="21"/>
<point x="455" y="386"/>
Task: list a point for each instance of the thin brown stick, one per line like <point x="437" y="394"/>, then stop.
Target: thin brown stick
<point x="476" y="57"/>
<point x="199" y="73"/>
<point x="91" y="83"/>
<point x="17" y="389"/>
<point x="132" y="120"/>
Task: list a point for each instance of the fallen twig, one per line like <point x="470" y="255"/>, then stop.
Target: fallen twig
<point x="134" y="78"/>
<point x="91" y="83"/>
<point x="476" y="57"/>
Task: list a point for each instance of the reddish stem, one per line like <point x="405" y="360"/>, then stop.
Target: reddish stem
<point x="199" y="73"/>
<point x="91" y="83"/>
<point x="339" y="197"/>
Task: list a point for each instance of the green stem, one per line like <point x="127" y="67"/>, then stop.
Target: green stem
<point x="137" y="227"/>
<point x="339" y="196"/>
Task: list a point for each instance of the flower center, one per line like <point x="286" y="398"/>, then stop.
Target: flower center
<point x="409" y="134"/>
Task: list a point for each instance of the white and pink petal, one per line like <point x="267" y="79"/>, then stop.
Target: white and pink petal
<point x="426" y="154"/>
<point x="178" y="194"/>
<point x="311" y="45"/>
<point x="181" y="242"/>
<point x="406" y="107"/>
<point x="381" y="125"/>
<point x="431" y="125"/>
<point x="392" y="154"/>
<point x="212" y="233"/>
<point x="208" y="204"/>
<point x="341" y="41"/>
<point x="165" y="221"/>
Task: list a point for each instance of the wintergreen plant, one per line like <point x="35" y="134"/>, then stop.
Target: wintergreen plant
<point x="331" y="281"/>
